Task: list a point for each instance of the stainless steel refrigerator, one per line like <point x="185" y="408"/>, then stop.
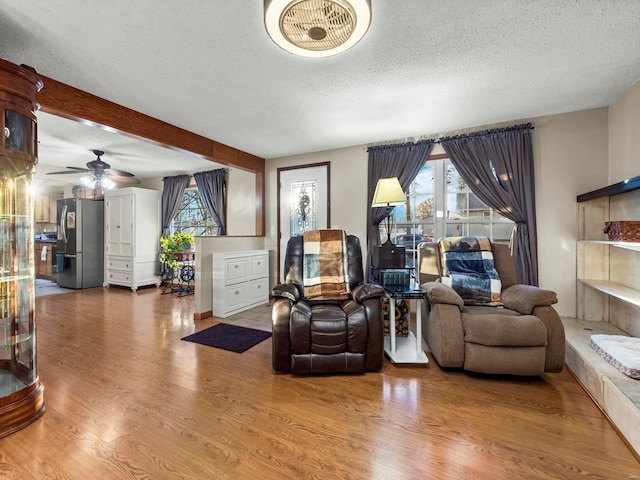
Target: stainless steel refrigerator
<point x="80" y="246"/>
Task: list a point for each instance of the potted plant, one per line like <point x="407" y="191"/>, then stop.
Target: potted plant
<point x="173" y="244"/>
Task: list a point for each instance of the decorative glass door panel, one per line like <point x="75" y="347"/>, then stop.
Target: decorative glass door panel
<point x="18" y="132"/>
<point x="16" y="282"/>
<point x="304" y="207"/>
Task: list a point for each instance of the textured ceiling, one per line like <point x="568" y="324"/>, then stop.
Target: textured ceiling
<point x="424" y="67"/>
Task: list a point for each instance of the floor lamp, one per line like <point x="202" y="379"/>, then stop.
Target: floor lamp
<point x="388" y="194"/>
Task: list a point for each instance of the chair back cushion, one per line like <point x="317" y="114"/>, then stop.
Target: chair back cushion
<point x="325" y="271"/>
<point x="469" y="269"/>
<point x="504" y="264"/>
<point x="430" y="270"/>
<point x="294" y="261"/>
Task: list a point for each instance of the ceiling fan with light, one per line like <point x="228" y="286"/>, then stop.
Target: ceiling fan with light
<point x="101" y="174"/>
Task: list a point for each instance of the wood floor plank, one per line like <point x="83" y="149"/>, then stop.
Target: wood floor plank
<point x="127" y="399"/>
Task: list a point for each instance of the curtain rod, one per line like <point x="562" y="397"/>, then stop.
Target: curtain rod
<point x="412" y="140"/>
<point x="190" y="175"/>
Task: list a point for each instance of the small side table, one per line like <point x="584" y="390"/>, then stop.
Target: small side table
<point x="181" y="278"/>
<point x="405" y="349"/>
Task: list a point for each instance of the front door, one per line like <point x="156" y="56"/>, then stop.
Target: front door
<point x="303" y="204"/>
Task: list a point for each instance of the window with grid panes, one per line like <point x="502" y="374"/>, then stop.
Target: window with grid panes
<point x="440" y="204"/>
<point x="193" y="215"/>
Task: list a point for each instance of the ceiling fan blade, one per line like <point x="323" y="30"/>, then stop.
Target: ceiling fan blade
<point x="71" y="170"/>
<point x="119" y="173"/>
<point x="125" y="180"/>
<point x="83" y="169"/>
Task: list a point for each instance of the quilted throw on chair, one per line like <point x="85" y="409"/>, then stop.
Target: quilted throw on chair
<point x="325" y="270"/>
<point x="469" y="269"/>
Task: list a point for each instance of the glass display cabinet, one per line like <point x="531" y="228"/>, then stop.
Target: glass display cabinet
<point x="21" y="393"/>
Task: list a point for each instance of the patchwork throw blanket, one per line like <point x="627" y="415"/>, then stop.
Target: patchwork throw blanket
<point x="620" y="351"/>
<point x="325" y="271"/>
<point x="467" y="264"/>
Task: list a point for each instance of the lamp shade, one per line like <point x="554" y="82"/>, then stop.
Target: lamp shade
<point x="388" y="192"/>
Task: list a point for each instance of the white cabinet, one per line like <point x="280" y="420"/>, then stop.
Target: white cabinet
<point x="240" y="281"/>
<point x="132" y="232"/>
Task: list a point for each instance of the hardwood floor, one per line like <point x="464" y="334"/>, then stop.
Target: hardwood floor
<point x="126" y="398"/>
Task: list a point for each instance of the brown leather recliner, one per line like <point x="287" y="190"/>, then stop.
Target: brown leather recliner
<point x="523" y="337"/>
<point x="329" y="336"/>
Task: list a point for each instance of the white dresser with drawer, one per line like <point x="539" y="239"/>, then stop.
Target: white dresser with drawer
<point x="240" y="281"/>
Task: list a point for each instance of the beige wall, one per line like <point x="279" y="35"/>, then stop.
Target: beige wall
<point x="624" y="136"/>
<point x="570" y="154"/>
<point x="241" y="202"/>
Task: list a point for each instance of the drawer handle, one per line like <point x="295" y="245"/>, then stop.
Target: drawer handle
<point x="259" y="263"/>
<point x="236" y="292"/>
<point x="237" y="266"/>
<point x="259" y="287"/>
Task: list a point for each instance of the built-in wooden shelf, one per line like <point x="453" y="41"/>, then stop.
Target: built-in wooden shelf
<point x="621" y="187"/>
<point x="615" y="290"/>
<point x="627" y="245"/>
<point x="608" y="303"/>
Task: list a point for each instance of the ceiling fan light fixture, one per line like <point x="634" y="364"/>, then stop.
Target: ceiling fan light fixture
<point x="316" y="28"/>
<point x="89" y="182"/>
<point x="108" y="183"/>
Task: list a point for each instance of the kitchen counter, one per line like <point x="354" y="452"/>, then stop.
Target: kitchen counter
<point x="46" y="237"/>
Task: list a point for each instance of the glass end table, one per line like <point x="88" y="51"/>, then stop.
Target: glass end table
<point x="405" y="349"/>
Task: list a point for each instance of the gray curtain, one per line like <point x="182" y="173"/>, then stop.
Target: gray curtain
<point x="172" y="193"/>
<point x="403" y="161"/>
<point x="211" y="186"/>
<point x="497" y="165"/>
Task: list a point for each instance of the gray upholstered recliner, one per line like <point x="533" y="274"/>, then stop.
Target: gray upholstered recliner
<point x="523" y="337"/>
<point x="326" y="336"/>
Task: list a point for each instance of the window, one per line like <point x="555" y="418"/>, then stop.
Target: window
<point x="193" y="216"/>
<point x="440" y="204"/>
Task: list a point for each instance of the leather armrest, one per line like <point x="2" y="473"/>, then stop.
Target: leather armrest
<point x="281" y="338"/>
<point x="524" y="298"/>
<point x="286" y="291"/>
<point x="437" y="292"/>
<point x="365" y="291"/>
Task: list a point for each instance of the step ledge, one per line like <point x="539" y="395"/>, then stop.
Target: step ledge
<point x="615" y="393"/>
